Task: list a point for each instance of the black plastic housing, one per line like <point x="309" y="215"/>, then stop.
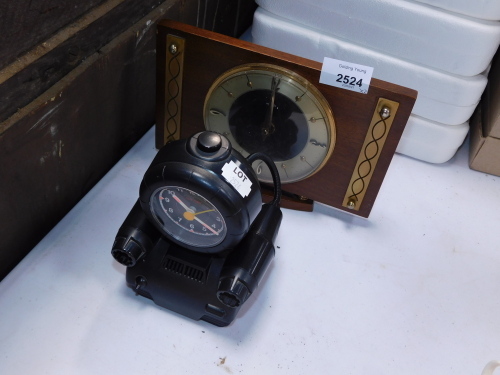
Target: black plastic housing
<point x="247" y="263"/>
<point x="208" y="284"/>
<point x="135" y="238"/>
<point x="182" y="281"/>
<point x="203" y="286"/>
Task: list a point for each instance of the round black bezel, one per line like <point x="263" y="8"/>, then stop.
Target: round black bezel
<point x="211" y="187"/>
<point x="197" y="221"/>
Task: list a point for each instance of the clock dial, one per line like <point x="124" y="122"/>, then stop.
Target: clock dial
<point x="187" y="216"/>
<point x="266" y="108"/>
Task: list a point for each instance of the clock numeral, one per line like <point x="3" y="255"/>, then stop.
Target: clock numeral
<point x="314" y="119"/>
<point x="283" y="166"/>
<point x="316" y="143"/>
<point x="303" y="158"/>
<point x="259" y="168"/>
<point x="299" y="98"/>
<point x="275" y="82"/>
<point x="216" y="112"/>
<point x="229" y="93"/>
<point x="249" y="83"/>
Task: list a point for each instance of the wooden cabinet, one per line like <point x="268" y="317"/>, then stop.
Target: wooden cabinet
<point x="70" y="108"/>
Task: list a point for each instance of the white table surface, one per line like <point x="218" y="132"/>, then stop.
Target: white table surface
<point x="415" y="289"/>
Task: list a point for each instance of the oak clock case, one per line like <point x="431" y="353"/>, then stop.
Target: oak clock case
<point x="331" y="145"/>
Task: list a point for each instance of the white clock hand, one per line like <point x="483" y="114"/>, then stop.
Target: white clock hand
<point x="181" y="203"/>
<point x="206" y="226"/>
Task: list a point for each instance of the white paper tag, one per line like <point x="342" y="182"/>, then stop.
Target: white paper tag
<point x="237" y="178"/>
<point x="346" y="75"/>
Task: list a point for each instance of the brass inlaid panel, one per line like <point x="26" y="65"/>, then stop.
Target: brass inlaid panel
<point x="377" y="133"/>
<point x="174" y="68"/>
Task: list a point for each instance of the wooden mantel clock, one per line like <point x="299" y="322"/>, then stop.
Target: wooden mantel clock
<point x="330" y="145"/>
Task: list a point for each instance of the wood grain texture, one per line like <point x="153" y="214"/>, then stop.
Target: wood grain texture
<point x="45" y="71"/>
<point x="25" y="23"/>
<point x="47" y="63"/>
<point x="208" y="55"/>
<point x="57" y="147"/>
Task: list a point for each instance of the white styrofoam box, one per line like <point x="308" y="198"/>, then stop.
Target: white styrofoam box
<point x="446" y="98"/>
<point x="422" y="139"/>
<point x="431" y="141"/>
<point x="414" y="31"/>
<point x="484" y="9"/>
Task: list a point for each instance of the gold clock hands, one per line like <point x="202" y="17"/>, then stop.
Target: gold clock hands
<point x="189" y="215"/>
<point x="202" y="212"/>
<point x="269" y="127"/>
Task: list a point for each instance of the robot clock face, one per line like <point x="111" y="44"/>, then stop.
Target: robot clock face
<point x="187" y="216"/>
<point x="266" y="108"/>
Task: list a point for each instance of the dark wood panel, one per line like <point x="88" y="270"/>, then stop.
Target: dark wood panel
<point x="53" y="150"/>
<point x="226" y="16"/>
<point x="25" y="23"/>
<point x="45" y="71"/>
<point x="352" y="111"/>
<point x="67" y="140"/>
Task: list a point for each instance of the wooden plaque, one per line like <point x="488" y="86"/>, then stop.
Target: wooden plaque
<point x="367" y="126"/>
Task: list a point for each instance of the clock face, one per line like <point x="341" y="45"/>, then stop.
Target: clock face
<point x="187" y="216"/>
<point x="266" y="108"/>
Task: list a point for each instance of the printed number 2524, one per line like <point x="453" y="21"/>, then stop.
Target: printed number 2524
<point x="348" y="80"/>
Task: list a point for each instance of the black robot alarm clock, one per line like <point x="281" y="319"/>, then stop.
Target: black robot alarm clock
<point x="199" y="239"/>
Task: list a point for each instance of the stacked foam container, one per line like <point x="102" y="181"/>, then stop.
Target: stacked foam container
<point x="441" y="48"/>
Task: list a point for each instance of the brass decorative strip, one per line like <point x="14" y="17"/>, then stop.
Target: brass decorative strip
<point x="173" y="87"/>
<point x="375" y="138"/>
